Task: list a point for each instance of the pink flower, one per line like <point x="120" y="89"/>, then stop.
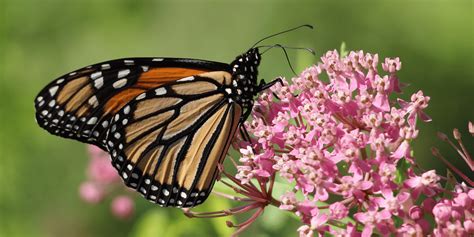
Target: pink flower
<point x="288" y="201"/>
<point x="372" y="219"/>
<point x="122" y="207"/>
<point x="392" y="203"/>
<point x="305" y="231"/>
<point x="392" y="65"/>
<point x="91" y="192"/>
<point x="469" y="226"/>
<point x="342" y="145"/>
<point x="410" y="230"/>
<point x="103" y="180"/>
<point x="353" y="186"/>
<point x="318" y="220"/>
<point x="101" y="170"/>
<point x="338" y="211"/>
<point x="415" y="212"/>
<point x="426" y="183"/>
<point x="415" y="108"/>
<point x="442" y="212"/>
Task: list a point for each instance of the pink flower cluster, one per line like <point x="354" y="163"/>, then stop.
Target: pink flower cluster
<point x="341" y="139"/>
<point x="102" y="180"/>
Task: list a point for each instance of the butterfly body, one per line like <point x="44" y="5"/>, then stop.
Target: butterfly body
<point x="244" y="76"/>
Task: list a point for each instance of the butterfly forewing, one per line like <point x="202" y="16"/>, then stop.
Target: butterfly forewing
<point x="81" y="104"/>
<point x="167" y="143"/>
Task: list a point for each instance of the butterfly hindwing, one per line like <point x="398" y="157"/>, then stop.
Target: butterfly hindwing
<point x="81" y="104"/>
<point x="167" y="142"/>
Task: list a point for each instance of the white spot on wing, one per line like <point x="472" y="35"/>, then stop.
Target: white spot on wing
<point x="128" y="62"/>
<point x="141" y="96"/>
<point x="160" y="91"/>
<point x="120" y="83"/>
<point x="123" y="73"/>
<point x="53" y="90"/>
<point x="157" y="60"/>
<point x="126" y="110"/>
<point x="186" y="79"/>
<point x="145" y="68"/>
<point x="96" y="75"/>
<point x="93" y="101"/>
<point x="60" y="81"/>
<point x="98" y="83"/>
<point x="92" y="120"/>
<point x="51" y="103"/>
<point x="105" y="66"/>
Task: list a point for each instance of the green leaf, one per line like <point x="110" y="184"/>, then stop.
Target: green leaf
<point x="343" y="51"/>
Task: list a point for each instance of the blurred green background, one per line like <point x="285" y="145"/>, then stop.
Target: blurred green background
<point x="41" y="40"/>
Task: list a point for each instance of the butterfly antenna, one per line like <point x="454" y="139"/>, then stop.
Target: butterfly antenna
<point x="279" y="33"/>
<point x="286" y="47"/>
<point x="287" y="58"/>
<point x="284" y="51"/>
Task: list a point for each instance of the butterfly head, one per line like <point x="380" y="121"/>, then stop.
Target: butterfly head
<point x="244" y="77"/>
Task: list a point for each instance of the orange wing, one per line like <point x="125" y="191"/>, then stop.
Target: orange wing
<point x="81" y="104"/>
<point x="167" y="142"/>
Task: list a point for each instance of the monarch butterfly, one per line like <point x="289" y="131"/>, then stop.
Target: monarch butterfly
<point x="166" y="122"/>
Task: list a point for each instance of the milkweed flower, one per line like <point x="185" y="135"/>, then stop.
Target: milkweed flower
<point x="103" y="182"/>
<point x="340" y="137"/>
<point x="91" y="192"/>
<point x="122" y="207"/>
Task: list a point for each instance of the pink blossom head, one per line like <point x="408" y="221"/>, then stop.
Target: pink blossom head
<point x="101" y="170"/>
<point x="91" y="192"/>
<point x="122" y="207"/>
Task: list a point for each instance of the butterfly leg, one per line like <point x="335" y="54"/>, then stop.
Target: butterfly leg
<point x="263" y="85"/>
<point x="245" y="134"/>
